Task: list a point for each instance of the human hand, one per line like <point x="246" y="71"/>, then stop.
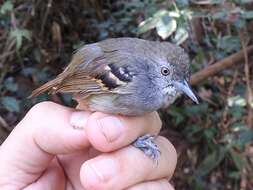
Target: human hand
<point x="55" y="147"/>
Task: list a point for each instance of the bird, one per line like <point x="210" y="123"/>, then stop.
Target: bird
<point x="126" y="76"/>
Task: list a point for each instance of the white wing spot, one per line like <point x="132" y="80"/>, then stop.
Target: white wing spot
<point x="118" y="81"/>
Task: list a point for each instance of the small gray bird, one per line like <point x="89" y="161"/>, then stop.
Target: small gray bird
<point x="127" y="76"/>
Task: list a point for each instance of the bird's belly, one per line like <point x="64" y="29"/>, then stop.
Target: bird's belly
<point x="118" y="104"/>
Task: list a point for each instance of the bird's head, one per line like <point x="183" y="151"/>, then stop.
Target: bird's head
<point x="174" y="68"/>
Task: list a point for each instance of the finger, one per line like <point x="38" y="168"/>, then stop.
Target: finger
<point x="44" y="132"/>
<point x="161" y="184"/>
<point x="127" y="167"/>
<point x="60" y="132"/>
<point x="53" y="178"/>
<point x="110" y="132"/>
<point x="73" y="162"/>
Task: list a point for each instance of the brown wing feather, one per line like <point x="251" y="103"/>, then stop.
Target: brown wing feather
<point x="76" y="83"/>
<point x="78" y="77"/>
<point x="80" y="83"/>
<point x="87" y="74"/>
<point x="46" y="87"/>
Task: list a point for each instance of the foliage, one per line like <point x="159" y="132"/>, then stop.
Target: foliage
<point x="19" y="35"/>
<point x="37" y="40"/>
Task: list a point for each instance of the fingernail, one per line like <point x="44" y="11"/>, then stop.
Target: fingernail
<point x="78" y="119"/>
<point x="111" y="128"/>
<point x="101" y="171"/>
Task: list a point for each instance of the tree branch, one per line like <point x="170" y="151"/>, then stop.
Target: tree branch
<point x="219" y="66"/>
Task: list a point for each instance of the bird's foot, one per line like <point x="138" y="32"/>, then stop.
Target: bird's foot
<point x="147" y="145"/>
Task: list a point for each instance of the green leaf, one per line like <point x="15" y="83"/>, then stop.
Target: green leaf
<point x="247" y="14"/>
<point x="180" y="36"/>
<point x="193" y="133"/>
<point x="211" y="161"/>
<point x="10" y="103"/>
<point x="237" y="127"/>
<point x="29" y="71"/>
<point x="200" y="109"/>
<point x="251" y="104"/>
<point x="240" y="89"/>
<point x="219" y="14"/>
<point x="163" y="21"/>
<point x="161" y="13"/>
<point x="19" y="35"/>
<point x="241" y="136"/>
<point x="245" y="137"/>
<point x="229" y="43"/>
<point x="245" y="1"/>
<point x="6" y="7"/>
<point x="237" y="159"/>
<point x="10" y="85"/>
<point x="177" y="115"/>
<point x="188" y="14"/>
<point x="182" y="3"/>
<point x="147" y="25"/>
<point x="236" y="101"/>
<point x="43" y="75"/>
<point x="237" y="111"/>
<point x="240" y="23"/>
<point x="207" y="2"/>
<point x="209" y="133"/>
<point x="166" y="26"/>
<point x="38" y="55"/>
<point x="235" y="175"/>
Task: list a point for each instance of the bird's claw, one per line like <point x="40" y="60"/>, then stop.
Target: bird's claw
<point x="147" y="145"/>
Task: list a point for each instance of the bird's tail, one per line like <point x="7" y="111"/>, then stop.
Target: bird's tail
<point x="50" y="86"/>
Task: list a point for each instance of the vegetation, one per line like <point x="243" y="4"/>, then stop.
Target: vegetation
<point x="214" y="138"/>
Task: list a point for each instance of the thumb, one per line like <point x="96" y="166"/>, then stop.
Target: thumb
<point x="46" y="130"/>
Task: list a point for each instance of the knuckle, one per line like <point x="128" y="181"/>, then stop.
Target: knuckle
<point x="37" y="111"/>
<point x="90" y="185"/>
<point x="97" y="136"/>
<point x="164" y="185"/>
<point x="87" y="179"/>
<point x="41" y="107"/>
<point x="150" y="185"/>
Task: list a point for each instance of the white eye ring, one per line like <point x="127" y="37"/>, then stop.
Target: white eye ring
<point x="165" y="71"/>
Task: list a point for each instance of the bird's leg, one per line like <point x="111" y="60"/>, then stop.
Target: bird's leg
<point x="147" y="145"/>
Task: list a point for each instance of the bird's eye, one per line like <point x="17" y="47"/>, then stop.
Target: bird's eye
<point x="165" y="71"/>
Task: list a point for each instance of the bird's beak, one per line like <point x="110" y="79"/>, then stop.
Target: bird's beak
<point x="185" y="88"/>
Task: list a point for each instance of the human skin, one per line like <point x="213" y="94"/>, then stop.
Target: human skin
<point x="59" y="148"/>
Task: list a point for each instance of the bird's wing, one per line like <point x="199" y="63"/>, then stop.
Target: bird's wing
<point x="92" y="70"/>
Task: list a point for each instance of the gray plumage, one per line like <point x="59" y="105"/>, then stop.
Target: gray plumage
<point x="123" y="75"/>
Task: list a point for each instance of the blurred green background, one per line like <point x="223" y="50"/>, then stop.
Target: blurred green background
<point x="213" y="139"/>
